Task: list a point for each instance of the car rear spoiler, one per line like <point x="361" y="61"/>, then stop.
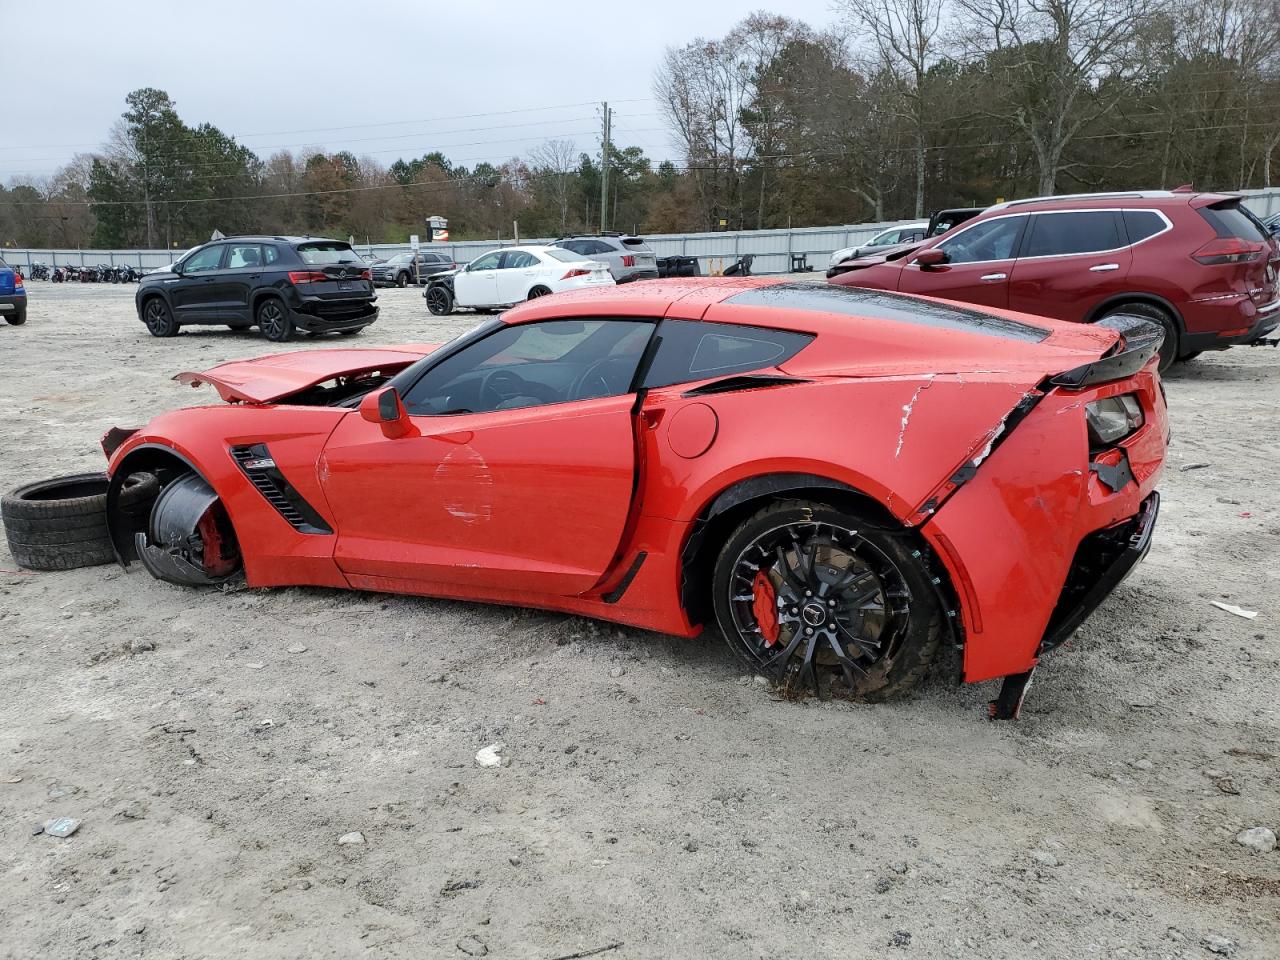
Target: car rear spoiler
<point x="1140" y="340"/>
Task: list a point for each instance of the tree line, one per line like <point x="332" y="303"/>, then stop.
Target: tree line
<point x="902" y="107"/>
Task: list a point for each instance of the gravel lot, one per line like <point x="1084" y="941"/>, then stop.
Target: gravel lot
<point x="656" y="802"/>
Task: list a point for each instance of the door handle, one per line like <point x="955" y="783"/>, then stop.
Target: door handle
<point x="1104" y="267"/>
<point x="993" y="277"/>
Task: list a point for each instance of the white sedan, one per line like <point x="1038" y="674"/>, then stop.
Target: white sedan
<point x="511" y="275"/>
<point x="906" y="233"/>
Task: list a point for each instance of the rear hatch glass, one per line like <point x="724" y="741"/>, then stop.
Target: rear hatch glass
<point x="880" y="305"/>
<point x="326" y="252"/>
<point x="1230" y="219"/>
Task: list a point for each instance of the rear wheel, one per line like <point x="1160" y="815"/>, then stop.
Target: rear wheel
<point x="274" y="320"/>
<point x="158" y="318"/>
<point x="402" y="279"/>
<point x="1191" y="355"/>
<point x="538" y="291"/>
<point x="439" y="301"/>
<point x="1160" y="317"/>
<point x="17" y="318"/>
<point x="817" y="599"/>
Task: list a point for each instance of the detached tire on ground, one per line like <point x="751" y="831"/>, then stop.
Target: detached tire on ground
<point x="61" y="524"/>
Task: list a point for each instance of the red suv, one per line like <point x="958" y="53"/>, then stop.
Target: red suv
<point x="1199" y="264"/>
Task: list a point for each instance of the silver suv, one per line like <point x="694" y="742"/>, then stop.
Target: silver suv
<point x="629" y="258"/>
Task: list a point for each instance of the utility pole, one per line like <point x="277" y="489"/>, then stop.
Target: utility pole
<point x="146" y="186"/>
<point x="604" y="167"/>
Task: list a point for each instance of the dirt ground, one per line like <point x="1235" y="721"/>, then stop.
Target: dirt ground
<point x="657" y="803"/>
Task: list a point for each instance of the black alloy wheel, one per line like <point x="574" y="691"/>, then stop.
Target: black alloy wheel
<point x="274" y="321"/>
<point x="158" y="318"/>
<point x="818" y="600"/>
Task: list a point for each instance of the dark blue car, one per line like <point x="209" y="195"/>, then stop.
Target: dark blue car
<point x="13" y="295"/>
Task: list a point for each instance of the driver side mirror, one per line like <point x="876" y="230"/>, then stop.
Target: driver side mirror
<point x="385" y="408"/>
<point x="930" y="258"/>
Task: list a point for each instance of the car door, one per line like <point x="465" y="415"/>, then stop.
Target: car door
<point x="516" y="477"/>
<point x="519" y="272"/>
<point x="979" y="260"/>
<point x="1070" y="261"/>
<point x="195" y="293"/>
<point x="240" y="275"/>
<point x="477" y="284"/>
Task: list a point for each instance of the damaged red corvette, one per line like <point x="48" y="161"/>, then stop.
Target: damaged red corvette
<point x="841" y="479"/>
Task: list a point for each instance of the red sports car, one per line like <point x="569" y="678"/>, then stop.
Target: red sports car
<point x="841" y="479"/>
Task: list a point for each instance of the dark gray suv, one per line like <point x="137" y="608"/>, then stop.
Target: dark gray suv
<point x="629" y="258"/>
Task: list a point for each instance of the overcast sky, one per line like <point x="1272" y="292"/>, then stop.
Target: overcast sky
<point x="476" y="80"/>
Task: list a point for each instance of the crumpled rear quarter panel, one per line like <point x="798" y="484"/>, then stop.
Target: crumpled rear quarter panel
<point x="1009" y="535"/>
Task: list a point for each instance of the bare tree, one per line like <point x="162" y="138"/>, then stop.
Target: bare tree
<point x="555" y="163"/>
<point x="907" y="39"/>
<point x="1056" y="63"/>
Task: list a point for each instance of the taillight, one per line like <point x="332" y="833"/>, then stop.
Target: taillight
<point x="1112" y="419"/>
<point x="366" y="274"/>
<point x="17" y="279"/>
<point x="1227" y="250"/>
<point x="307" y="276"/>
<point x="628" y="260"/>
<point x="576" y="272"/>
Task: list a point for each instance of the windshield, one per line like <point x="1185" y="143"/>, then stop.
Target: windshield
<point x="402" y="258"/>
<point x="568" y="256"/>
<point x="329" y="251"/>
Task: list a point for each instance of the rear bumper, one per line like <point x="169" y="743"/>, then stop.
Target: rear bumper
<point x="1241" y="319"/>
<point x="635" y="275"/>
<point x="1101" y="563"/>
<point x="317" y="315"/>
<point x="13" y="303"/>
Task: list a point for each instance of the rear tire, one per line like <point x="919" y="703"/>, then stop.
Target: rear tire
<point x="158" y="318"/>
<point x="17" y="318"/>
<point x="1190" y="356"/>
<point x="538" y="291"/>
<point x="274" y="321"/>
<point x="61" y="524"/>
<point x="402" y="280"/>
<point x="1169" y="350"/>
<point x="820" y="599"/>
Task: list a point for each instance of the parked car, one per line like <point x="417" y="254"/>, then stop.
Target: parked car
<point x="13" y="295"/>
<point x="628" y="258"/>
<point x="905" y="233"/>
<point x="1272" y="223"/>
<point x="939" y="223"/>
<point x="503" y="277"/>
<point x="1198" y="264"/>
<point x="279" y="284"/>
<point x="595" y="454"/>
<point x="400" y="269"/>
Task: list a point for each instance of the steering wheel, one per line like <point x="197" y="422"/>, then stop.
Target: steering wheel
<point x="504" y="385"/>
<point x="596" y="380"/>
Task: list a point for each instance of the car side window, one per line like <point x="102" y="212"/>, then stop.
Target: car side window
<point x="691" y="350"/>
<point x="1141" y="224"/>
<point x="1084" y="231"/>
<point x="598" y="247"/>
<point x="489" y="261"/>
<point x="204" y="260"/>
<point x="577" y="246"/>
<point x="520" y="259"/>
<point x="534" y="364"/>
<point x="243" y="255"/>
<point x="989" y="240"/>
<point x="269" y="254"/>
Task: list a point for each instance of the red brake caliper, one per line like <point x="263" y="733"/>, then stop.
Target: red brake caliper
<point x="765" y="607"/>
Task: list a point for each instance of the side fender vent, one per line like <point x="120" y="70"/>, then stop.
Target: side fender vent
<point x="257" y="464"/>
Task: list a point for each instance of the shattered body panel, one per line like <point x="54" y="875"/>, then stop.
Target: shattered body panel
<point x="943" y="420"/>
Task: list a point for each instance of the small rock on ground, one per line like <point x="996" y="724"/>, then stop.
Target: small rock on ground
<point x="473" y="946"/>
<point x="1257" y="839"/>
<point x="353" y="837"/>
<point x="1216" y="943"/>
